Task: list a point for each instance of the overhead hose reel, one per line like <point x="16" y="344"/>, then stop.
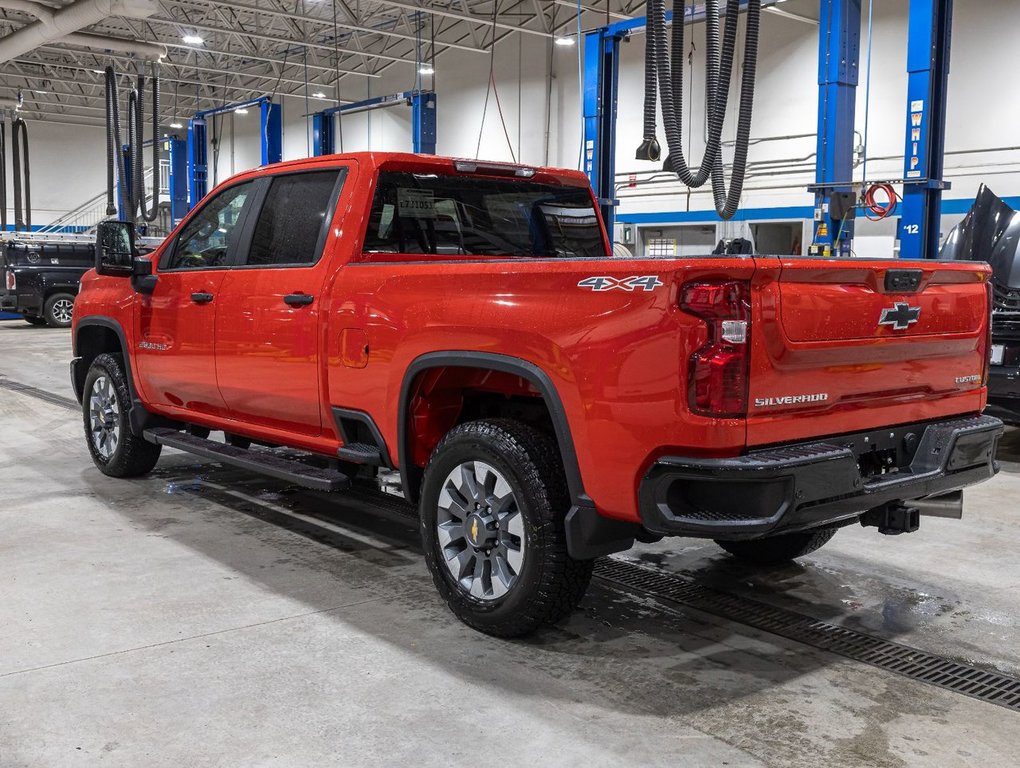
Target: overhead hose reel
<point x="130" y="194"/>
<point x="664" y="71"/>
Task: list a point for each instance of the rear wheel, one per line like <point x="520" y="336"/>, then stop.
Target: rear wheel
<point x="115" y="450"/>
<point x="493" y="502"/>
<point x="773" y="550"/>
<point x="58" y="309"/>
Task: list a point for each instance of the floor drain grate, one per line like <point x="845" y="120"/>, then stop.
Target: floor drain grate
<point x="41" y="394"/>
<point x="928" y="668"/>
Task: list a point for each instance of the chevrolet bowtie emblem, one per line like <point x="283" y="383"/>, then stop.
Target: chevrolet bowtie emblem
<point x="474" y="530"/>
<point x="900" y="317"/>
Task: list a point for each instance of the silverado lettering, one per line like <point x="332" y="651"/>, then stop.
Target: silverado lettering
<point x="379" y="316"/>
<point x="762" y="402"/>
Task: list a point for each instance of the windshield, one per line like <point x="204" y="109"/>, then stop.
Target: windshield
<point x="462" y="215"/>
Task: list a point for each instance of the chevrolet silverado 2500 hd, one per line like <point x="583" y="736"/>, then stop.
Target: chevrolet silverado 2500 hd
<point x="544" y="403"/>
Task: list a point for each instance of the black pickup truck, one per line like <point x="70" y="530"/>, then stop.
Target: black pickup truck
<point x="991" y="232"/>
<point x="39" y="279"/>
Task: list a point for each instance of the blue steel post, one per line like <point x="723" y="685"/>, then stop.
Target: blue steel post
<point x="839" y="48"/>
<point x="928" y="43"/>
<point x="423" y="122"/>
<point x="177" y="154"/>
<point x="198" y="162"/>
<point x="322" y="134"/>
<point x="272" y="132"/>
<point x="601" y="88"/>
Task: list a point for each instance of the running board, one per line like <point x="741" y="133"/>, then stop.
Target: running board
<point x="264" y="463"/>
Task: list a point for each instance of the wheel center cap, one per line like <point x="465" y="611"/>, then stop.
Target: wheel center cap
<point x="478" y="532"/>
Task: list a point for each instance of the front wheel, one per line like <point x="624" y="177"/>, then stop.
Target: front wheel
<point x="58" y="310"/>
<point x="773" y="550"/>
<point x="492" y="507"/>
<point x="116" y="451"/>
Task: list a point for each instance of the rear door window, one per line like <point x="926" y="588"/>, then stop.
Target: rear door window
<point x="442" y="215"/>
<point x="291" y="227"/>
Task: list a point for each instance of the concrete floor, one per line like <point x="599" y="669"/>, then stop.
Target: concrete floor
<point x="204" y="617"/>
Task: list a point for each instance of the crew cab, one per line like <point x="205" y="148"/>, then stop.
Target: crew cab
<point x="545" y="403"/>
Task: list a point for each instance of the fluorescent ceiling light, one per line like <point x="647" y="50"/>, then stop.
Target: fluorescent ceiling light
<point x="99" y="71"/>
<point x="564" y="41"/>
<point x="175" y="124"/>
<point x="318" y="95"/>
<point x="241" y="111"/>
<point x="426" y="69"/>
<point x="192" y="40"/>
<point x="38" y="91"/>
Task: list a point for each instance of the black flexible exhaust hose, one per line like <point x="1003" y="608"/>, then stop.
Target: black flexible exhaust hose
<point x="3" y="175"/>
<point x="114" y="155"/>
<point x="726" y="203"/>
<point x="22" y="176"/>
<point x="136" y="161"/>
<point x="665" y="69"/>
<point x="132" y="201"/>
<point x="134" y="152"/>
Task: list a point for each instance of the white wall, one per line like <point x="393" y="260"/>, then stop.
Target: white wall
<point x="68" y="166"/>
<point x="983" y="113"/>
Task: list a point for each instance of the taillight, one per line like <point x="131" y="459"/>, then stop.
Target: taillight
<point x="11" y="282"/>
<point x="718" y="371"/>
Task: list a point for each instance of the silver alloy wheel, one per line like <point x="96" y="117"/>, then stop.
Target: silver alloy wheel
<point x="62" y="309"/>
<point x="104" y="417"/>
<point x="480" y="530"/>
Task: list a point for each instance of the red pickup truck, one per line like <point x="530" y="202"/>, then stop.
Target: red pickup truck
<point x="544" y="403"/>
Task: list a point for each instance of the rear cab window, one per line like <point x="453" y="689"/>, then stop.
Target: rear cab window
<point x="432" y="215"/>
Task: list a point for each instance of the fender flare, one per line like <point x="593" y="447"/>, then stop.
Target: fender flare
<point x="410" y="476"/>
<point x="137" y="413"/>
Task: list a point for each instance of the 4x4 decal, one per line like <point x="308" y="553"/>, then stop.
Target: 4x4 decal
<point x="633" y="283"/>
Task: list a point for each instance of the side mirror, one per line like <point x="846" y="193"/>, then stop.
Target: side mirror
<point x="115" y="248"/>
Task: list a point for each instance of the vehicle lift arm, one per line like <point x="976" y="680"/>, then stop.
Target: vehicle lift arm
<point x="423" y="120"/>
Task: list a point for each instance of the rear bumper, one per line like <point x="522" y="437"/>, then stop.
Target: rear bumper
<point x="804" y="485"/>
<point x="8" y="301"/>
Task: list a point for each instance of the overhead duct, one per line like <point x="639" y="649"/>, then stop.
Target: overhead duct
<point x="40" y="11"/>
<point x="53" y="26"/>
<point x="143" y="50"/>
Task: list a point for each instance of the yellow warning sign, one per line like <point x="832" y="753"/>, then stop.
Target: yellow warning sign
<point x="823" y="229"/>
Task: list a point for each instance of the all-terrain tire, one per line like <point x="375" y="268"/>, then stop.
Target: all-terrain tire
<point x="114" y="449"/>
<point x="773" y="550"/>
<point x="57" y="310"/>
<point x="549" y="583"/>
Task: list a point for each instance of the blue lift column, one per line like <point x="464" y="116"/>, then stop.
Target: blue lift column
<point x="270" y="133"/>
<point x="271" y="123"/>
<point x="601" y="91"/>
<point x="928" y="44"/>
<point x="323" y="134"/>
<point x="176" y="151"/>
<point x="839" y="48"/>
<point x="198" y="160"/>
<point x="423" y="122"/>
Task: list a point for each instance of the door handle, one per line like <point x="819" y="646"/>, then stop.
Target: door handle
<point x="298" y="299"/>
<point x="201" y="298"/>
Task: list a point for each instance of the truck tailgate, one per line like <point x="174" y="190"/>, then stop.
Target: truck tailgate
<point x="856" y="344"/>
